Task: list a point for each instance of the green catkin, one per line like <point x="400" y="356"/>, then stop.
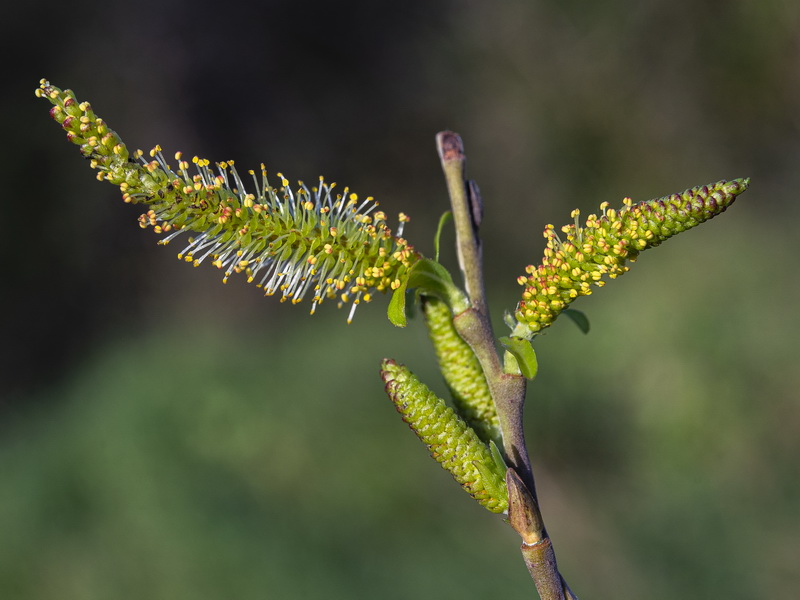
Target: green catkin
<point x="604" y="245"/>
<point x="302" y="242"/>
<point x="454" y="445"/>
<point x="462" y="371"/>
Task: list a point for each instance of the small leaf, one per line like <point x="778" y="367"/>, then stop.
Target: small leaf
<point x="429" y="278"/>
<point x="497" y="457"/>
<point x="579" y="318"/>
<point x="524" y="354"/>
<point x="432" y="279"/>
<point x="490" y="481"/>
<point x="397" y="305"/>
<point x="447" y="216"/>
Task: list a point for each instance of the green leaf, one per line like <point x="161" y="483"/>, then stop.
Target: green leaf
<point x="397" y="305"/>
<point x="523" y="352"/>
<point x="446" y="216"/>
<point x="429" y="278"/>
<point x="579" y="318"/>
<point x="491" y="479"/>
<point x="497" y="457"/>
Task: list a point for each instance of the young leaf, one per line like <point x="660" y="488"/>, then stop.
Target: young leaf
<point x="397" y="305"/>
<point x="447" y="216"/>
<point x="429" y="278"/>
<point x="497" y="457"/>
<point x="524" y="355"/>
<point x="579" y="318"/>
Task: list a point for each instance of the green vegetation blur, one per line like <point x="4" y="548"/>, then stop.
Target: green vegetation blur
<point x="164" y="436"/>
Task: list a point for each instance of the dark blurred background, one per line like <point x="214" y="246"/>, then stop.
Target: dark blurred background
<point x="164" y="436"/>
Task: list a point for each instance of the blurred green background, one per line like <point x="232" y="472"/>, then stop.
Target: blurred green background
<point x="163" y="436"/>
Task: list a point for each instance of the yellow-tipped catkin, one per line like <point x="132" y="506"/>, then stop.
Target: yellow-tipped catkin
<point x="606" y="243"/>
<point x="295" y="242"/>
<point x="462" y="371"/>
<point x="449" y="439"/>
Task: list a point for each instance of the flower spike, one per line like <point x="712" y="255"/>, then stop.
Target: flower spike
<point x="604" y="245"/>
<point x="462" y="371"/>
<point x="449" y="439"/>
<point x="295" y="242"/>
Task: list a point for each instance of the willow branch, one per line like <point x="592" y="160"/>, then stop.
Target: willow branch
<point x="473" y="324"/>
<point x="507" y="389"/>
